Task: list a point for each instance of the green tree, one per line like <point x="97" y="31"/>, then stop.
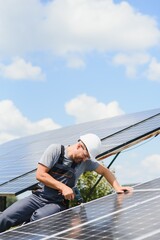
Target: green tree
<point x="86" y="182"/>
<point x="10" y="200"/>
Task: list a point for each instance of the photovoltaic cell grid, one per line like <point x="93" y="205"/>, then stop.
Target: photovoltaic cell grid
<point x="117" y="216"/>
<point x="19" y="185"/>
<point x="20" y="156"/>
<point x="131" y="134"/>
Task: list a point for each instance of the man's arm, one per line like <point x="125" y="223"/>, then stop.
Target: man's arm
<point x="111" y="179"/>
<point x="43" y="176"/>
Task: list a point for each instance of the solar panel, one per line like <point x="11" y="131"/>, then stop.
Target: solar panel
<point x="116" y="216"/>
<point x="140" y="131"/>
<point x="19" y="185"/>
<point x="20" y="156"/>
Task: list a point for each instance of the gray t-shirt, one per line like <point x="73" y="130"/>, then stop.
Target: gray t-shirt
<point x="51" y="156"/>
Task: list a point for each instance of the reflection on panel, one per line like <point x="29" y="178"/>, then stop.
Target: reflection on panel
<point x="117" y="216"/>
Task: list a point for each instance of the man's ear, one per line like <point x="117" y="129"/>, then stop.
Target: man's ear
<point x="78" y="145"/>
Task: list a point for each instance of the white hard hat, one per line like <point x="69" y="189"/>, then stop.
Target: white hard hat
<point x="92" y="143"/>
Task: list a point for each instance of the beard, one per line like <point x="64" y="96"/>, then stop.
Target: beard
<point x="78" y="160"/>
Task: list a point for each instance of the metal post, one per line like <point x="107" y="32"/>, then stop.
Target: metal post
<point x="3" y="201"/>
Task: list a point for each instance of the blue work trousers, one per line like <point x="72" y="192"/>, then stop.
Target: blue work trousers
<point x="27" y="209"/>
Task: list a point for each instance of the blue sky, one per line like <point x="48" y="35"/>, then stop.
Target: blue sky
<point x="64" y="62"/>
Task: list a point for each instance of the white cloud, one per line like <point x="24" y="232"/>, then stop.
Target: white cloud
<point x="75" y="62"/>
<point x="151" y="164"/>
<point x="85" y="25"/>
<point x="128" y="174"/>
<point x="20" y="70"/>
<point x="69" y="26"/>
<point x="131" y="62"/>
<point x="20" y="28"/>
<point x="143" y="170"/>
<point x="86" y="108"/>
<point x="14" y="125"/>
<point x="153" y="72"/>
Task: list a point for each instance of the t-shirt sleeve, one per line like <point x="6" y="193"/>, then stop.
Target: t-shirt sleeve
<point x="91" y="165"/>
<point x="50" y="156"/>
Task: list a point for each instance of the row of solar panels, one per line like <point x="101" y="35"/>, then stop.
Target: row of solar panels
<point x="131" y="216"/>
<point x="19" y="158"/>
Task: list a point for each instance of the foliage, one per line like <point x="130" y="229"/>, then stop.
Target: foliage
<point x="10" y="200"/>
<point x="86" y="182"/>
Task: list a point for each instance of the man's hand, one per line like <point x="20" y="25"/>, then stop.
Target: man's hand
<point x="124" y="190"/>
<point x="67" y="192"/>
<point x="43" y="176"/>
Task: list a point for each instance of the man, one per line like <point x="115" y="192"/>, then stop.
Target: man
<point x="58" y="170"/>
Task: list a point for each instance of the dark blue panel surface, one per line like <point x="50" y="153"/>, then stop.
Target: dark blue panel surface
<point x="117" y="216"/>
<point x="21" y="156"/>
<point x="19" y="185"/>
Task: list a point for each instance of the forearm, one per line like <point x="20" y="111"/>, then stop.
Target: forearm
<point x="49" y="181"/>
<point x="43" y="176"/>
<point x="109" y="176"/>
